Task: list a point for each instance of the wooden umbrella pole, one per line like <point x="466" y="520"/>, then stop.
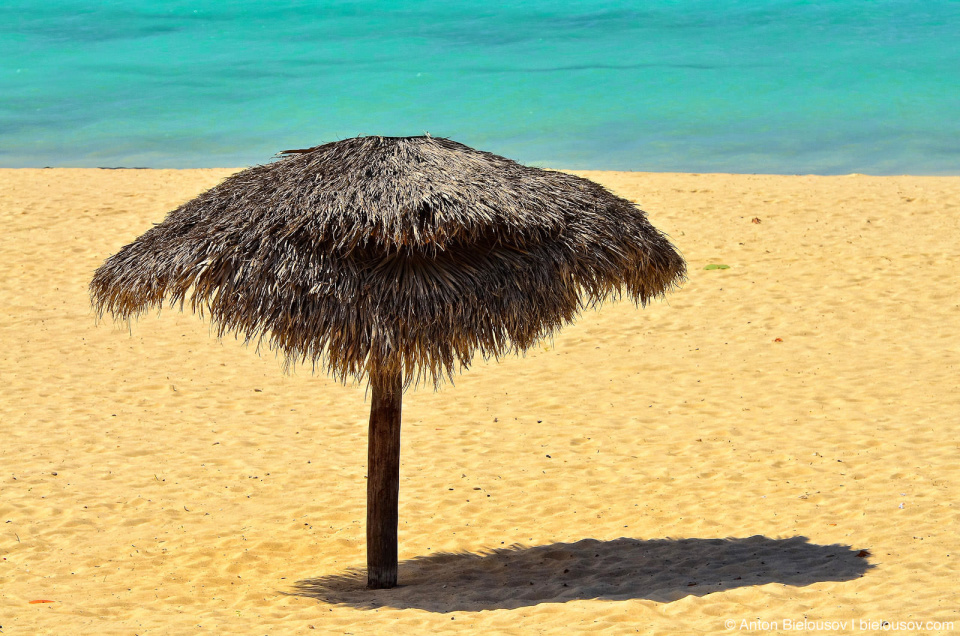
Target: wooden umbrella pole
<point x="383" y="481"/>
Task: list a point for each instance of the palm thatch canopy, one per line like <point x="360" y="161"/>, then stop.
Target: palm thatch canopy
<point x="383" y="255"/>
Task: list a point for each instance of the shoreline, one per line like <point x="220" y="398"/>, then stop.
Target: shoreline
<point x="571" y="170"/>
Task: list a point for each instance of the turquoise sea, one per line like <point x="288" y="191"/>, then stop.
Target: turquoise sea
<point x="766" y="86"/>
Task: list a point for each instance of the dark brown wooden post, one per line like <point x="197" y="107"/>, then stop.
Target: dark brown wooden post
<point x="383" y="481"/>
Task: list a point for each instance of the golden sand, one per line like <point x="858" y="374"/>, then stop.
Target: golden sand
<point x="725" y="455"/>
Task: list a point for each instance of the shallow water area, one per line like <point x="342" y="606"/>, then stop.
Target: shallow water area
<point x="786" y="87"/>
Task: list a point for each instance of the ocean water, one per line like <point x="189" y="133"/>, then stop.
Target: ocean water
<point x="757" y="86"/>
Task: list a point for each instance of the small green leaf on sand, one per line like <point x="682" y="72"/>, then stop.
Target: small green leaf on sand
<point x="716" y="266"/>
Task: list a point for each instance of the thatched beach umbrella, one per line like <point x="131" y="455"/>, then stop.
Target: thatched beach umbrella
<point x="394" y="260"/>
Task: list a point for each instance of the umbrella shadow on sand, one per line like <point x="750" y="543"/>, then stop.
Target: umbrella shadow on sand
<point x="661" y="570"/>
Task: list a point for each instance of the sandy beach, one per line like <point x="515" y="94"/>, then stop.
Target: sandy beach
<point x="775" y="444"/>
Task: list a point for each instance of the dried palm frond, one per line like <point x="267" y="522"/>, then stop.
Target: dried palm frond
<point x="377" y="254"/>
